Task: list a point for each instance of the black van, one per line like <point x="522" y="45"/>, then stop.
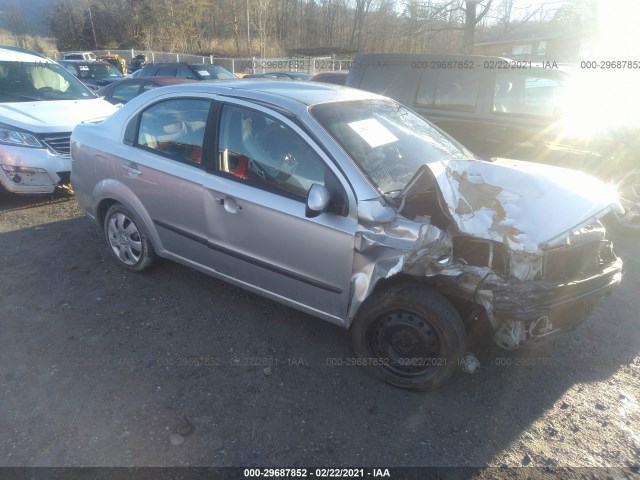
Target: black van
<point x="497" y="107"/>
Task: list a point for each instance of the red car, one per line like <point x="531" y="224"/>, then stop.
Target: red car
<point x="338" y="77"/>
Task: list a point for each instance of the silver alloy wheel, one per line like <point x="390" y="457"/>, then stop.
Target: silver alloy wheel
<point x="124" y="238"/>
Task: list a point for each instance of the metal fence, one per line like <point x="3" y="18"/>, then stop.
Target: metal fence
<point x="310" y="65"/>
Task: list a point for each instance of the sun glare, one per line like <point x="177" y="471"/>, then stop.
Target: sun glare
<point x="603" y="92"/>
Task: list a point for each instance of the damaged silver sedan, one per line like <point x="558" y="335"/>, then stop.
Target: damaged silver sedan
<point x="350" y="207"/>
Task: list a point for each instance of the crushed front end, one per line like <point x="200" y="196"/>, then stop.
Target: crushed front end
<point x="558" y="290"/>
<point x="529" y="283"/>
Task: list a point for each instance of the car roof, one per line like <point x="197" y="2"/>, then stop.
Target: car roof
<point x="283" y="93"/>
<point x="83" y="62"/>
<point x="156" y="64"/>
<point x="334" y="73"/>
<point x="16" y="54"/>
<point x="158" y="80"/>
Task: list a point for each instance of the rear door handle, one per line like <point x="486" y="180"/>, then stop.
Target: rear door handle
<point x="230" y="204"/>
<point x="132" y="169"/>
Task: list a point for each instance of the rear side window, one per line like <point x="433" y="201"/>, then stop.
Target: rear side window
<point x="166" y="71"/>
<point x="389" y="80"/>
<point x="521" y="94"/>
<point x="175" y="128"/>
<point x="184" y="72"/>
<point x="126" y="92"/>
<point x="449" y="89"/>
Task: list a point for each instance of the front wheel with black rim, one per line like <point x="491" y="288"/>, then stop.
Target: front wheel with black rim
<point x="409" y="336"/>
<point x="128" y="241"/>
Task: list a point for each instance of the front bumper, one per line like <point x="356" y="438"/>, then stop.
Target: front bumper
<point x="53" y="169"/>
<point x="536" y="310"/>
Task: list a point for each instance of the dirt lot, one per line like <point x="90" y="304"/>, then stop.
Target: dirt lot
<point x="97" y="368"/>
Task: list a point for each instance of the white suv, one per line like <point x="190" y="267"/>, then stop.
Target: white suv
<point x="40" y="103"/>
<point x="86" y="56"/>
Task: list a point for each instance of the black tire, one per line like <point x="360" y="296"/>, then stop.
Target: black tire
<point x="409" y="336"/>
<point x="127" y="239"/>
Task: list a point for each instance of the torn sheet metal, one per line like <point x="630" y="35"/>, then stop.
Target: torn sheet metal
<point x="524" y="205"/>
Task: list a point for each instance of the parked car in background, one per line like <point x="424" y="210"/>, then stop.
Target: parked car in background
<point x="40" y="103"/>
<point x="196" y="71"/>
<point x="339" y="77"/>
<point x="137" y="62"/>
<point x="93" y="74"/>
<point x="280" y="75"/>
<point x="87" y="56"/>
<point x="352" y="208"/>
<point x="115" y="60"/>
<point x="124" y="90"/>
<point x="498" y="107"/>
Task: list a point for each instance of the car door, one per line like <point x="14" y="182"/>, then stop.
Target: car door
<point x="164" y="168"/>
<point x="255" y="210"/>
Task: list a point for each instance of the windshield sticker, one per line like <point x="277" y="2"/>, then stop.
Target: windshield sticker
<point x="204" y="73"/>
<point x="373" y="132"/>
<point x="84" y="67"/>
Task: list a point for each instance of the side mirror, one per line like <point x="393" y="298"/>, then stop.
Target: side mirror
<point x="318" y="199"/>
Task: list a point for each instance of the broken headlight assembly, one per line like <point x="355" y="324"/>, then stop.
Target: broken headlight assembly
<point x="20" y="138"/>
<point x="482" y="253"/>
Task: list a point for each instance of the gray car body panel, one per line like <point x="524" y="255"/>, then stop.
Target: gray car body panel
<point x="271" y="248"/>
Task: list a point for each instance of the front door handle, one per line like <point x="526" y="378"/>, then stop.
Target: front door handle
<point x="132" y="169"/>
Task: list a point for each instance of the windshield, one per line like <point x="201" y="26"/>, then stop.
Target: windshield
<point x="98" y="70"/>
<point x="386" y="140"/>
<point x="28" y="81"/>
<point x="215" y="73"/>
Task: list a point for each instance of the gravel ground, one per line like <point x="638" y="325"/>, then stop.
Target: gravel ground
<point x="97" y="369"/>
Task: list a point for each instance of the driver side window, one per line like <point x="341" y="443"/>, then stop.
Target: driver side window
<point x="261" y="150"/>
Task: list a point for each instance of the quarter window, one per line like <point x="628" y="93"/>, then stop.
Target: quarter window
<point x="261" y="150"/>
<point x="175" y="128"/>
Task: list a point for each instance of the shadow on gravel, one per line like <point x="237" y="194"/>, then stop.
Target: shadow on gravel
<point x="12" y="202"/>
<point x="104" y="367"/>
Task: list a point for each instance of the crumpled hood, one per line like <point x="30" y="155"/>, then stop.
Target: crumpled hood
<point x="53" y="115"/>
<point x="522" y="204"/>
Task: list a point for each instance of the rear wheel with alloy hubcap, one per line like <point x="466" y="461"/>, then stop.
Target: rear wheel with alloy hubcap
<point x="128" y="241"/>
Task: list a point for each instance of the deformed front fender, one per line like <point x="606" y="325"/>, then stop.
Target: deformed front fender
<point x="387" y="244"/>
